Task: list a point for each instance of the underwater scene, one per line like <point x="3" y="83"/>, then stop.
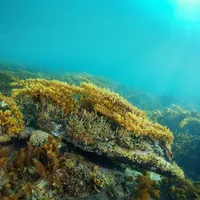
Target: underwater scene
<point x="99" y="100"/>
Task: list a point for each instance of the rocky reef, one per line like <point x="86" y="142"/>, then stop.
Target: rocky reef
<point x="75" y="142"/>
<point x="98" y="120"/>
<point x="185" y="124"/>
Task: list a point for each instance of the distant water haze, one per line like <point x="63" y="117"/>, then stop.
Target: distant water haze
<point x="149" y="45"/>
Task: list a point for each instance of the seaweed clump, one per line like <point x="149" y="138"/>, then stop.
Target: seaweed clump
<point x="128" y="116"/>
<point x="186" y="125"/>
<point x="6" y="78"/>
<point x="11" y="119"/>
<point x="179" y="189"/>
<point x="146" y="188"/>
<point x="84" y="110"/>
<point x="178" y="119"/>
<point x="42" y="172"/>
<point x="108" y="103"/>
<point x="186" y="151"/>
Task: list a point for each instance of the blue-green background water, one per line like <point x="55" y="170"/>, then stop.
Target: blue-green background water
<point x="148" y="44"/>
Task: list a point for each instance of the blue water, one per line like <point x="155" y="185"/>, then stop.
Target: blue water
<point x="148" y="44"/>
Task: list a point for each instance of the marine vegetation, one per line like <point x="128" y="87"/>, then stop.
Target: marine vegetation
<point x="77" y="78"/>
<point x="149" y="185"/>
<point x="74" y="141"/>
<point x="99" y="121"/>
<point x="108" y="103"/>
<point x="179" y="189"/>
<point x="139" y="98"/>
<point x="9" y="74"/>
<point x="11" y="120"/>
<point x="185" y="125"/>
<point x="6" y="79"/>
<point x="186" y="151"/>
<point x="146" y="188"/>
<point x="42" y="172"/>
<point x="177" y="119"/>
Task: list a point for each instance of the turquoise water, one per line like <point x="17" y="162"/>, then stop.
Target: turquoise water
<point x="80" y="141"/>
<point x="150" y="45"/>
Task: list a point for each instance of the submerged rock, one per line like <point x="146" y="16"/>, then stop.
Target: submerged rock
<point x="102" y="122"/>
<point x="4" y="139"/>
<point x="95" y="134"/>
<point x="39" y="138"/>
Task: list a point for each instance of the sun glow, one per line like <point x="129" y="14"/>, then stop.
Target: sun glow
<point x="188" y="10"/>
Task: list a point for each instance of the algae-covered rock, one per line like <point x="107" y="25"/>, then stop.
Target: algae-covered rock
<point x="100" y="121"/>
<point x="178" y="119"/>
<point x="50" y="127"/>
<point x="11" y="122"/>
<point x="185" y="124"/>
<point x="92" y="133"/>
<point x="39" y="138"/>
<point x="42" y="172"/>
<point x="4" y="139"/>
